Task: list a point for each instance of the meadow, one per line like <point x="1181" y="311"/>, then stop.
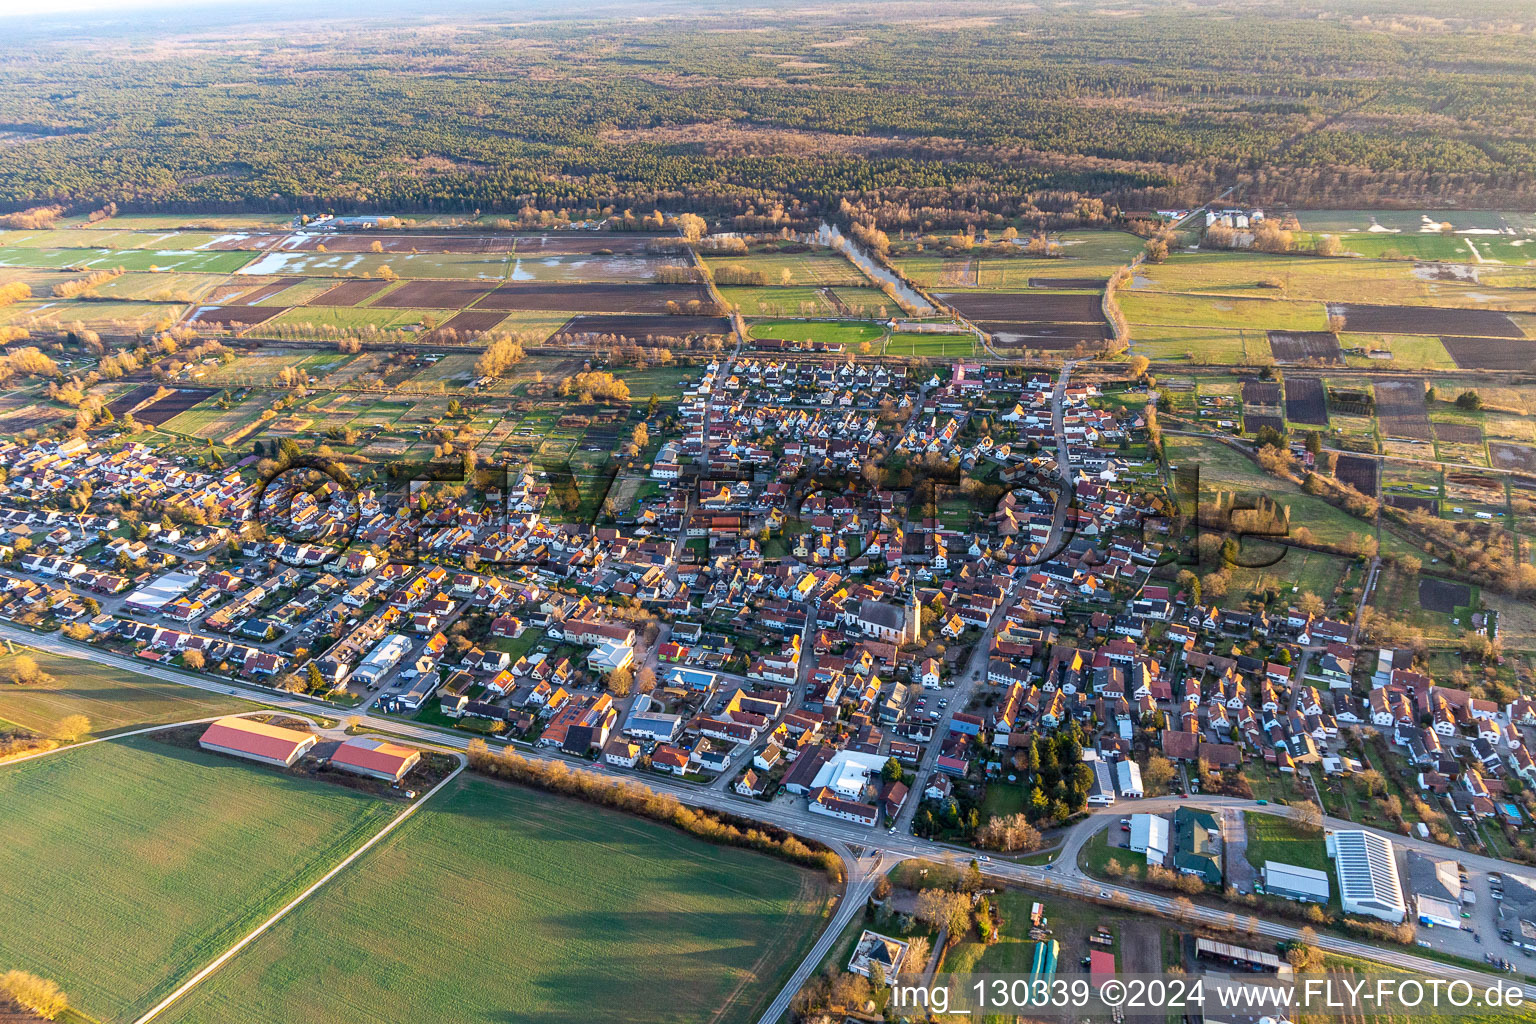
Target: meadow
<point x="207" y="262"/>
<point x="1224" y="311"/>
<point x="778" y="301"/>
<point x="130" y="864"/>
<point x="849" y="333"/>
<point x="1222" y="469"/>
<point x="805" y="269"/>
<point x="943" y="345"/>
<point x="111" y="698"/>
<point x="517" y="906"/>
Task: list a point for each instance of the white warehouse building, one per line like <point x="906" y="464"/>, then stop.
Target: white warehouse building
<point x="384" y="656"/>
<point x="1149" y="835"/>
<point x="1368" y="880"/>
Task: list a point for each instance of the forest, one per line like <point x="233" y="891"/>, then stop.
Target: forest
<point x="775" y="113"/>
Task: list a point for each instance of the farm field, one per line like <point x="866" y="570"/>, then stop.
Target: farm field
<point x="111" y="698"/>
<point x="1200" y="345"/>
<point x="136" y="316"/>
<point x="778" y="301"/>
<point x="679" y="930"/>
<point x="357" y="316"/>
<point x="1335" y="280"/>
<point x="806" y="269"/>
<point x="467" y="266"/>
<point x="1186" y="310"/>
<point x="205" y="262"/>
<point x="160" y="854"/>
<point x="848" y="333"/>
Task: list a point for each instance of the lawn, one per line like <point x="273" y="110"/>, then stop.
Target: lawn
<point x="1096" y="854"/>
<point x="128" y="865"/>
<point x="1301" y="568"/>
<point x="111" y="698"/>
<point x="1271" y="837"/>
<point x="951" y="345"/>
<point x="848" y="333"/>
<point x="1409" y="352"/>
<point x="498" y="903"/>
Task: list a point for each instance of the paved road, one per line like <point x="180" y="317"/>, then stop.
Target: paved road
<point x="975" y="669"/>
<point x="861" y="885"/>
<point x="1062" y="876"/>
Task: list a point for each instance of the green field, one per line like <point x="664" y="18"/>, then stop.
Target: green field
<point x="209" y="262"/>
<point x="143" y="287"/>
<point x="1223" y="469"/>
<point x="753" y="301"/>
<point x="849" y="333"/>
<point x="1225" y="311"/>
<point x="128" y="865"/>
<point x="504" y="904"/>
<point x="1200" y="345"/>
<point x="111" y="698"/>
<point x="952" y="345"/>
<point x="1271" y="837"/>
<point x="809" y="268"/>
<point x="357" y="316"/>
<point x="135" y="315"/>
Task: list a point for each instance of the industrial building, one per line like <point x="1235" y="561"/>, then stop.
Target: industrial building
<point x="1369" y="884"/>
<point x="1436" y="886"/>
<point x="1149" y="835"/>
<point x="1293" y="882"/>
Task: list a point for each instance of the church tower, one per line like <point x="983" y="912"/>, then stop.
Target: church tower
<point x="912" y="628"/>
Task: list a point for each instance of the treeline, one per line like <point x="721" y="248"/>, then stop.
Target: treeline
<point x="630" y="796"/>
<point x="916" y="123"/>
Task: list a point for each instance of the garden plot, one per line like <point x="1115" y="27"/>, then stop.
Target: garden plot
<point x="1518" y="457"/>
<point x="1458" y="433"/>
<point x="1305" y="347"/>
<point x="1400" y="408"/>
<point x="1020" y="307"/>
<point x="1306" y="400"/>
<point x="1358" y="472"/>
<point x="234" y="316"/>
<point x="642" y="327"/>
<point x="1442" y="595"/>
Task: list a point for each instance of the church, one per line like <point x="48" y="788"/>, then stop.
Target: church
<point x="895" y="624"/>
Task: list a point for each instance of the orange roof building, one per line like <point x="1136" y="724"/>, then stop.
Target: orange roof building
<point x="379" y="759"/>
<point x="258" y="741"/>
